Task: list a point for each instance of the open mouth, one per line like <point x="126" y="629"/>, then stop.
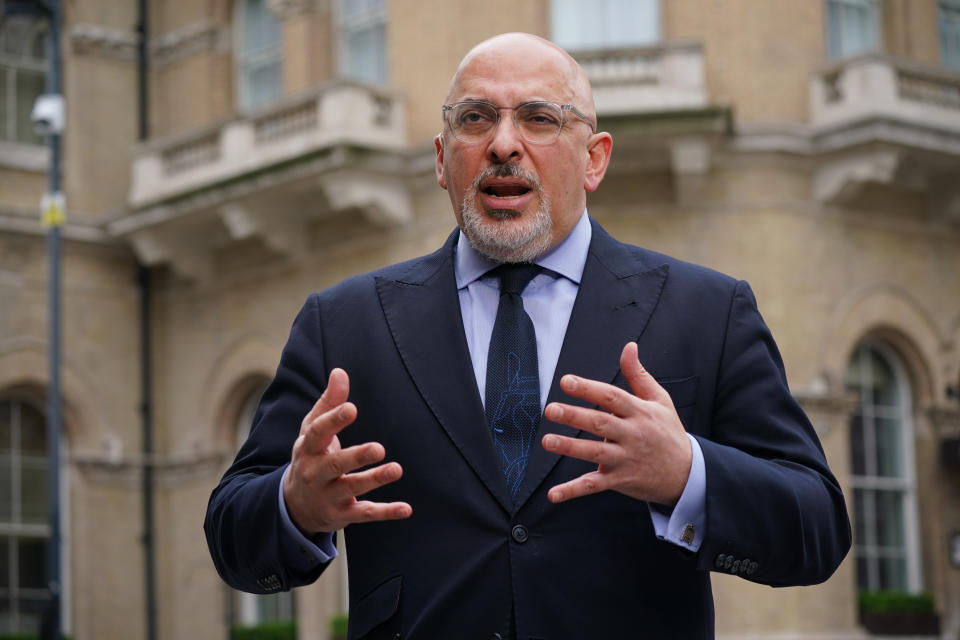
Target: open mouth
<point x="505" y="188"/>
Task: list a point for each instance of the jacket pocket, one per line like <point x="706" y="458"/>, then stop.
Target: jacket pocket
<point x="683" y="391"/>
<point x="370" y="616"/>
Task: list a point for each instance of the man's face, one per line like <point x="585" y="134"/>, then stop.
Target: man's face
<point x="513" y="199"/>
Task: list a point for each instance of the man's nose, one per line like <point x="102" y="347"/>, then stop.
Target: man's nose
<point x="506" y="143"/>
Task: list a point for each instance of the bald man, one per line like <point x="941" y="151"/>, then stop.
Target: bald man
<point x="564" y="450"/>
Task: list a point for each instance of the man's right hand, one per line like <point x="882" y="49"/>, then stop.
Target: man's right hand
<point x="321" y="487"/>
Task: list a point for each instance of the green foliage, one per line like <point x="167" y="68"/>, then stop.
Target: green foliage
<point x="281" y="630"/>
<point x="881" y="601"/>
<point x="338" y="625"/>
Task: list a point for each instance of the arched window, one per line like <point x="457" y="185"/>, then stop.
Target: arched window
<point x="883" y="476"/>
<point x="250" y="610"/>
<point x="260" y="55"/>
<point x="24" y="531"/>
<point x="23" y="72"/>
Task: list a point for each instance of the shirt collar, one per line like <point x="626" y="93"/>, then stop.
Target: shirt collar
<point x="567" y="258"/>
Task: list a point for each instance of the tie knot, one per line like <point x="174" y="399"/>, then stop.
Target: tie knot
<point x="514" y="278"/>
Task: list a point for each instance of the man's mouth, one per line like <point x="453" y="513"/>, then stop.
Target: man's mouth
<point x="505" y="188"/>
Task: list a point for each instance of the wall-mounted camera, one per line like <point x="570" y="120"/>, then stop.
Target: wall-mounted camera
<point x="47" y="114"/>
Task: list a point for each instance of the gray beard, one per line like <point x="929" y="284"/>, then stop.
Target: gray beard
<point x="502" y="235"/>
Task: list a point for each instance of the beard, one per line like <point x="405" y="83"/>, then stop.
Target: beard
<point x="505" y="235"/>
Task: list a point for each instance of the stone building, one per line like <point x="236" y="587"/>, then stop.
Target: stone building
<point x="811" y="148"/>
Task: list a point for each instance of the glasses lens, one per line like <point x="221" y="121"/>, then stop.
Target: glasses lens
<point x="472" y="121"/>
<point x="539" y="121"/>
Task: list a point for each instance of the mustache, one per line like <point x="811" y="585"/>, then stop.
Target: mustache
<point x="507" y="170"/>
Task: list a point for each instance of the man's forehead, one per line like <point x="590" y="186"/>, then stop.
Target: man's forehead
<point x="488" y="77"/>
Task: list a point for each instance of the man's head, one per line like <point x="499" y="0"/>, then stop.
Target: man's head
<point x="519" y="187"/>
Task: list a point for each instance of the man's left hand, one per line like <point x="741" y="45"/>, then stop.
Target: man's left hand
<point x="645" y="452"/>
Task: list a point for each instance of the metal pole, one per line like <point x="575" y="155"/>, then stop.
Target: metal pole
<point x="51" y="626"/>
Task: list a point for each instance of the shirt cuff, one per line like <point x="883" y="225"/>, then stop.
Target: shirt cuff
<point x="685" y="524"/>
<point x="299" y="551"/>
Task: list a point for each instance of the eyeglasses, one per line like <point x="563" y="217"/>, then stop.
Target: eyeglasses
<point x="539" y="122"/>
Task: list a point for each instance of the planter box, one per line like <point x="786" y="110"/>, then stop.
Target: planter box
<point x="901" y="623"/>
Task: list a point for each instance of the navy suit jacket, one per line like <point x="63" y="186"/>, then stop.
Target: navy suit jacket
<point x="469" y="558"/>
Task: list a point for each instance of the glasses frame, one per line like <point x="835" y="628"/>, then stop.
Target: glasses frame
<point x="564" y="109"/>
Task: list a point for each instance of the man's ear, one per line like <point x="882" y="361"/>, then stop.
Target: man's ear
<point x="438" y="145"/>
<point x="598" y="158"/>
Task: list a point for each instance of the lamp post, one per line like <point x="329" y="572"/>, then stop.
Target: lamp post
<point x="48" y="119"/>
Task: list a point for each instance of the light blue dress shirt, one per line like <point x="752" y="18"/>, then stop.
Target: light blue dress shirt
<point x="548" y="300"/>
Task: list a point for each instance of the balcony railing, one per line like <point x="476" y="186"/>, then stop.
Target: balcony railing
<point x="877" y="86"/>
<point x="341" y="113"/>
<point x="666" y="77"/>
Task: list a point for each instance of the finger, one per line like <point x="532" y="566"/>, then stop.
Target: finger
<point x="606" y="396"/>
<point x="338" y="463"/>
<point x="588" y="483"/>
<point x="642" y="384"/>
<point x="599" y="423"/>
<point x="367" y="511"/>
<point x="338" y="388"/>
<point x="590" y="450"/>
<point x="362" y="482"/>
<point x="318" y="434"/>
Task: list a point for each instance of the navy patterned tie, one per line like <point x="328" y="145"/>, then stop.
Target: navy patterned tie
<point x="513" y="380"/>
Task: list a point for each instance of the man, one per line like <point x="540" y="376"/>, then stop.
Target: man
<point x="603" y="517"/>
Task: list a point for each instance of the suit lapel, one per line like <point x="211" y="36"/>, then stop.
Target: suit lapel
<point x="617" y="295"/>
<point x="422" y="309"/>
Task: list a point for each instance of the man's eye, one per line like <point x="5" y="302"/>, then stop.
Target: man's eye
<point x="539" y="118"/>
<point x="474" y="117"/>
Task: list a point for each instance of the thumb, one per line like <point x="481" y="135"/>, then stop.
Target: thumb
<point x="643" y="385"/>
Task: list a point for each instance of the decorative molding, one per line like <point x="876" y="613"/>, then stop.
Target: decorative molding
<point x="104" y="42"/>
<point x="290" y="9"/>
<point x="194" y="39"/>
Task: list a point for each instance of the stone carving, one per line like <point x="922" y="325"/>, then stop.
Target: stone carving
<point x="191" y="40"/>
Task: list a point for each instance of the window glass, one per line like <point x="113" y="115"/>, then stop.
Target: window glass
<point x="852" y="27"/>
<point x="363" y="40"/>
<point x="23" y="515"/>
<point x="605" y="23"/>
<point x="260" y="55"/>
<point x="884" y="519"/>
<point x="23" y="69"/>
<point x="949" y="25"/>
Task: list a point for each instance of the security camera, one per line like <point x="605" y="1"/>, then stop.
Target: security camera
<point x="47" y="114"/>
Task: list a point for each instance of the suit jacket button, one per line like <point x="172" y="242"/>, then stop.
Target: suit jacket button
<point x="728" y="563"/>
<point x="753" y="568"/>
<point x="519" y="533"/>
<point x="718" y="563"/>
<point x="736" y="566"/>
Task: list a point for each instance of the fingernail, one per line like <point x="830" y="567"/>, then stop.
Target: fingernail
<point x="549" y="442"/>
<point x="342" y="412"/>
<point x="570" y="382"/>
<point x="557" y="495"/>
<point x="554" y="412"/>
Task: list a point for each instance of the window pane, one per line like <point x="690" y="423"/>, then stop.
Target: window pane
<point x="5" y="563"/>
<point x="949" y="19"/>
<point x="260" y="28"/>
<point x="893" y="574"/>
<point x="367" y="54"/>
<point x="889" y="523"/>
<point x="33" y="492"/>
<point x="605" y="23"/>
<point x="29" y="85"/>
<point x="860" y="497"/>
<point x="851" y="27"/>
<point x="6" y="490"/>
<point x="6" y="420"/>
<point x="857" y="445"/>
<point x="33" y="430"/>
<point x="33" y="561"/>
<point x="888" y="447"/>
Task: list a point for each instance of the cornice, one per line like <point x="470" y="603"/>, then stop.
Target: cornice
<point x="290" y="9"/>
<point x="103" y="42"/>
<point x="194" y="39"/>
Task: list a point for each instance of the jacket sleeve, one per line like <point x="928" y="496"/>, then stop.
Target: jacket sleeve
<point x="243" y="523"/>
<point x="775" y="512"/>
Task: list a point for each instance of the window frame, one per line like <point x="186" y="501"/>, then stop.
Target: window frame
<point x="355" y="22"/>
<point x="12" y="64"/>
<point x="945" y="22"/>
<point x="245" y="61"/>
<point x="582" y="43"/>
<point x="877" y="36"/>
<point x="905" y="484"/>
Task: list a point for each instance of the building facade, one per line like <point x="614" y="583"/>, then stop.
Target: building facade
<point x="279" y="146"/>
